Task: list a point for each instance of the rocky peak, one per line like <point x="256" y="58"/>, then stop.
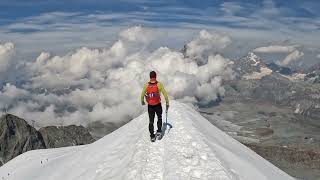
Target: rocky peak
<point x="252" y="59"/>
<point x="248" y="64"/>
<point x="65" y="136"/>
<point x="17" y="137"/>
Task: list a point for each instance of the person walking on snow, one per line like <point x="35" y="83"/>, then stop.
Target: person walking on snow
<point x="151" y="91"/>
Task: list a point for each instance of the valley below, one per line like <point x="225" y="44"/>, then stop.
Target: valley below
<point x="274" y="132"/>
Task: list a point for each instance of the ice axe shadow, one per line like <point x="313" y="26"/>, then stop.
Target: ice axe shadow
<point x="165" y="125"/>
<point x="164" y="128"/>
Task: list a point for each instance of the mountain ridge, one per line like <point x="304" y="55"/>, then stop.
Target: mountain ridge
<point x="193" y="148"/>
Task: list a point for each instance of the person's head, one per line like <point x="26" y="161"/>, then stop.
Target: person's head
<point x="153" y="76"/>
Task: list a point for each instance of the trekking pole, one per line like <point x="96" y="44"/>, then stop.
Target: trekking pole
<point x="170" y="126"/>
<point x="166" y="116"/>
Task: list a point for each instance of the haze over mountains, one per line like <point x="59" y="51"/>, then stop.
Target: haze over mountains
<point x="273" y="110"/>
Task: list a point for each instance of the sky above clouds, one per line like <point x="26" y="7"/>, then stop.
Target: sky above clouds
<point x="82" y="61"/>
<point x="60" y="26"/>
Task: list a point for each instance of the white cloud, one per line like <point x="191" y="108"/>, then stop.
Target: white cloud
<point x="205" y="43"/>
<point x="6" y="52"/>
<point x="293" y="55"/>
<point x="230" y="8"/>
<point x="276" y="49"/>
<point x="88" y="84"/>
<point x="216" y="66"/>
<point x="296" y="55"/>
<point x="204" y="91"/>
<point x="136" y="34"/>
<point x="318" y="56"/>
<point x="48" y="31"/>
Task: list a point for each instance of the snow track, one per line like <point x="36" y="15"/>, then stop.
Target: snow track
<point x="192" y="150"/>
<point x="183" y="148"/>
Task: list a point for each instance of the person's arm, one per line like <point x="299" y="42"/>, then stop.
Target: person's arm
<point x="164" y="92"/>
<point x="143" y="93"/>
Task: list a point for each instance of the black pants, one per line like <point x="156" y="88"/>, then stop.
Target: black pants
<point x="152" y="110"/>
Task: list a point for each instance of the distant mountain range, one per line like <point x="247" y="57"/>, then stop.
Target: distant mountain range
<point x="260" y="81"/>
<point x="251" y="63"/>
<point x="269" y="108"/>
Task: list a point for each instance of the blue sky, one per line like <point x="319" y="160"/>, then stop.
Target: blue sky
<point x="170" y="12"/>
<point x="39" y="25"/>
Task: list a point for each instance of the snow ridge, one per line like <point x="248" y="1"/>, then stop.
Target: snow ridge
<point x="183" y="149"/>
<point x="193" y="149"/>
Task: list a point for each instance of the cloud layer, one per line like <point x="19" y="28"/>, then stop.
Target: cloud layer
<point x="293" y="55"/>
<point x="6" y="52"/>
<point x="275" y="49"/>
<point x="89" y="85"/>
<point x="205" y="44"/>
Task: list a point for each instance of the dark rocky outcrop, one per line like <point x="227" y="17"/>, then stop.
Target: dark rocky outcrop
<point x="17" y="137"/>
<point x="65" y="136"/>
<point x="313" y="74"/>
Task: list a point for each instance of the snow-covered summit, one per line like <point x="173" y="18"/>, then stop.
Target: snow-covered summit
<point x="253" y="59"/>
<point x="251" y="66"/>
<point x="192" y="149"/>
<point x="250" y="62"/>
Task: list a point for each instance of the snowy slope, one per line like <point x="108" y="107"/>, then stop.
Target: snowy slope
<point x="192" y="149"/>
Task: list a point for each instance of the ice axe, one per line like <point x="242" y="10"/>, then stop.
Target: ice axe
<point x="167" y="124"/>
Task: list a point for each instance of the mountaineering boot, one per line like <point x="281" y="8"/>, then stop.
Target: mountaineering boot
<point x="159" y="135"/>
<point x="152" y="138"/>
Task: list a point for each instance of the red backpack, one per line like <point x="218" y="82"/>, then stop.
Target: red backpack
<point x="152" y="94"/>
